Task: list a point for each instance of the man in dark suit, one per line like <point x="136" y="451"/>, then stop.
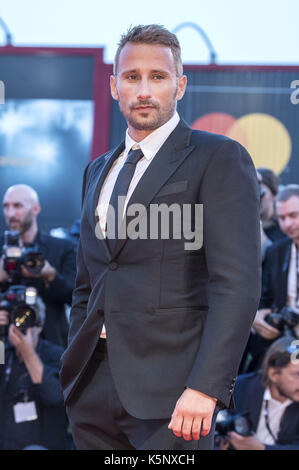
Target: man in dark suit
<point x="270" y="399"/>
<point x="176" y="317"/>
<point x="56" y="280"/>
<point x="280" y="274"/>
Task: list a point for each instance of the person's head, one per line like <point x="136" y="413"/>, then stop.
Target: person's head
<point x="269" y="185"/>
<point x="148" y="77"/>
<point x="280" y="369"/>
<point x="287" y="209"/>
<point x="21" y="207"/>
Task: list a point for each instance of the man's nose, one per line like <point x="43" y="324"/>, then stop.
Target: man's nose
<point x="144" y="89"/>
<point x="9" y="212"/>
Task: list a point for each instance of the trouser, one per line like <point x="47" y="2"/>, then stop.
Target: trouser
<point x="99" y="421"/>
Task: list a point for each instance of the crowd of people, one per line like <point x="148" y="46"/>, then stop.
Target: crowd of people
<point x="32" y="413"/>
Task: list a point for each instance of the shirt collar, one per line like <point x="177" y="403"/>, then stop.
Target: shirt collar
<point x="268" y="397"/>
<point x="154" y="141"/>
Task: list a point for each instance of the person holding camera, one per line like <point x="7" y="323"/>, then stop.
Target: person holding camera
<point x="279" y="304"/>
<point x="269" y="399"/>
<point x="31" y="405"/>
<point x="55" y="280"/>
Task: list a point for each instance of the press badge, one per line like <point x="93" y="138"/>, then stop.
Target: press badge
<point x="25" y="411"/>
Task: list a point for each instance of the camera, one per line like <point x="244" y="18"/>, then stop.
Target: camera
<point x="284" y="321"/>
<point x="21" y="304"/>
<point x="15" y="255"/>
<point x="228" y="420"/>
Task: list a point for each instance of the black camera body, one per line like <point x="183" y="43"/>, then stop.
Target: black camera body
<point x="21" y="304"/>
<point x="15" y="255"/>
<point x="229" y="420"/>
<point x="284" y="321"/>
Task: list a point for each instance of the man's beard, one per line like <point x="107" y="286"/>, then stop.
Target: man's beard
<point x="151" y="124"/>
<point x="26" y="224"/>
<point x="159" y="118"/>
<point x="283" y="393"/>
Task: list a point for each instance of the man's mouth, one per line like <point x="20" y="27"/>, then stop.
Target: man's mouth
<point x="144" y="107"/>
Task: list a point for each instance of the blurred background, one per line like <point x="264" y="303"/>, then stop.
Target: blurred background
<point x="241" y="59"/>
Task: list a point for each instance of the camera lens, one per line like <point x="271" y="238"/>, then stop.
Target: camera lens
<point x="242" y="426"/>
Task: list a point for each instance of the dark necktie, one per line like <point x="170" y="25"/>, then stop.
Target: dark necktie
<point x="117" y="200"/>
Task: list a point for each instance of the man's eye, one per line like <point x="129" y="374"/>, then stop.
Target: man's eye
<point x="131" y="77"/>
<point x="158" y="77"/>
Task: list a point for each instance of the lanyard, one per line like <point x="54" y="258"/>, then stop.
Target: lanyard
<point x="266" y="415"/>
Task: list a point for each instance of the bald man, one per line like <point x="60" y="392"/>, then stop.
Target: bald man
<point x="55" y="282"/>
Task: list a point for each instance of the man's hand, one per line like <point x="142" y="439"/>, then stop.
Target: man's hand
<point x="48" y="273"/>
<point x="263" y="328"/>
<point x="25" y="348"/>
<point x="24" y="344"/>
<point x="193" y="413"/>
<point x="245" y="442"/>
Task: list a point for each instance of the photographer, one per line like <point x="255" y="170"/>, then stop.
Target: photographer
<point x="280" y="279"/>
<point x="55" y="281"/>
<point x="270" y="185"/>
<point x="270" y="400"/>
<point x="31" y="406"/>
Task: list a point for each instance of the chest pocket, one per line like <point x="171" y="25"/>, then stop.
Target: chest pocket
<point x="172" y="188"/>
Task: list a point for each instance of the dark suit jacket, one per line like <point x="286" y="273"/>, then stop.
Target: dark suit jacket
<point x="61" y="254"/>
<point x="274" y="296"/>
<point x="174" y="318"/>
<point x="275" y="274"/>
<point x="248" y="397"/>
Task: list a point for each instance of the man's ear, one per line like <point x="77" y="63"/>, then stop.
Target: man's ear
<point x="113" y="88"/>
<point x="181" y="87"/>
<point x="36" y="209"/>
<point x="273" y="373"/>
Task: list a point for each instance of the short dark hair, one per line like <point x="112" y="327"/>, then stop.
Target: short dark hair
<point x="277" y="356"/>
<point x="287" y="192"/>
<point x="270" y="179"/>
<point x="151" y="34"/>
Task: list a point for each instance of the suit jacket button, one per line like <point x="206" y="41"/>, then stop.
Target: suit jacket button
<point x="113" y="265"/>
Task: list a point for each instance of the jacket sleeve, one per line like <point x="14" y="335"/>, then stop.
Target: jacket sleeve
<point x="231" y="240"/>
<point x="61" y="288"/>
<point x="49" y="390"/>
<point x="292" y="446"/>
<point x="267" y="296"/>
<point x="82" y="284"/>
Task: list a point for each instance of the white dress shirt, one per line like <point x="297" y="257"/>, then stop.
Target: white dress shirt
<point x="292" y="280"/>
<point x="149" y="146"/>
<point x="292" y="284"/>
<point x="275" y="412"/>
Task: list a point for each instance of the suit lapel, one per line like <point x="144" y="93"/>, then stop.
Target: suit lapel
<point x="95" y="187"/>
<point x="285" y="271"/>
<point x="171" y="155"/>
